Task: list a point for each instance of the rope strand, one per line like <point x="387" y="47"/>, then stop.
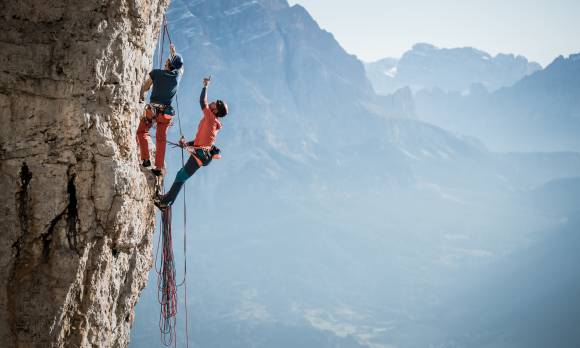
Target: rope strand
<point x="165" y="268"/>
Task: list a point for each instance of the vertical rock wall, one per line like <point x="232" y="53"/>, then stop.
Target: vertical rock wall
<point x="75" y="210"/>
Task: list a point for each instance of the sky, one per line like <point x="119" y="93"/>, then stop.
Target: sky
<point x="374" y="29"/>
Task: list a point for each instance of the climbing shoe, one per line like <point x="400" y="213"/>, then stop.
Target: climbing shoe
<point x="146" y="163"/>
<point x="214" y="150"/>
<point x="158" y="203"/>
<point x="157" y="171"/>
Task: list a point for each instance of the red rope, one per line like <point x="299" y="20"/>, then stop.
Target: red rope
<point x="166" y="28"/>
<point x="165" y="268"/>
<point x="164" y="32"/>
<point x="162" y="44"/>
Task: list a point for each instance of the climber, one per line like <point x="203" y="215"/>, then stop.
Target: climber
<point x="202" y="147"/>
<point x="165" y="83"/>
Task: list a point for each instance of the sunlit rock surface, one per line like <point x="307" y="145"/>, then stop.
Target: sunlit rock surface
<point x="75" y="207"/>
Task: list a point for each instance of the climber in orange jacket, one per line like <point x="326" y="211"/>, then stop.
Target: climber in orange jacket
<point x="165" y="83"/>
<point x="202" y="147"/>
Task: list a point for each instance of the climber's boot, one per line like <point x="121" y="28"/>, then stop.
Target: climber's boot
<point x="157" y="171"/>
<point x="159" y="202"/>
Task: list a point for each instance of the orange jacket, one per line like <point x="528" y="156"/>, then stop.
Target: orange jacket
<point x="207" y="130"/>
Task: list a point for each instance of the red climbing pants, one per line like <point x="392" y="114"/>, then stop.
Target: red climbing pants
<point x="163" y="121"/>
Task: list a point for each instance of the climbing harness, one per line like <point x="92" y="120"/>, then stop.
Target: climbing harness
<point x="153" y="111"/>
<point x="167" y="285"/>
<point x="158" y="108"/>
<point x="202" y="154"/>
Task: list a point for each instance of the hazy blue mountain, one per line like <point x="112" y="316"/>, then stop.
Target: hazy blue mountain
<point x="558" y="196"/>
<point x="382" y="75"/>
<point x="539" y="113"/>
<point x="335" y="218"/>
<point x="450" y="69"/>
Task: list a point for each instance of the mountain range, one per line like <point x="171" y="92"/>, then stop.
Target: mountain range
<point x="425" y="66"/>
<point x="539" y="112"/>
<point x="336" y="216"/>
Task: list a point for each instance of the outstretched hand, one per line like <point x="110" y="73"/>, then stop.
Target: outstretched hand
<point x="172" y="49"/>
<point x="182" y="143"/>
<point x="206" y="81"/>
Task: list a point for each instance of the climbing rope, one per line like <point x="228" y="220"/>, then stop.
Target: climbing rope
<point x="166" y="273"/>
<point x="161" y="45"/>
<point x="167" y="291"/>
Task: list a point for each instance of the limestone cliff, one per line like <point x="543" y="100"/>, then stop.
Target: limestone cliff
<point x="76" y="216"/>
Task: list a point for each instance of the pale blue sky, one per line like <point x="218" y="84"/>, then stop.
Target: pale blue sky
<point x="372" y="29"/>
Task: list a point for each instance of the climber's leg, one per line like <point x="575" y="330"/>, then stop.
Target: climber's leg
<point x="143" y="133"/>
<point x="183" y="174"/>
<point x="163" y="121"/>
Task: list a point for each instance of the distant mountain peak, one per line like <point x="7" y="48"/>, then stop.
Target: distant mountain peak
<point x="423" y="46"/>
<point x="572" y="58"/>
<point x="450" y="69"/>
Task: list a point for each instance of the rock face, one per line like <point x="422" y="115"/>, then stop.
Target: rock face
<point x="77" y="220"/>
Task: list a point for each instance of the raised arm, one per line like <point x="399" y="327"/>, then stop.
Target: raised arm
<point x="172" y="50"/>
<point x="172" y="55"/>
<point x="203" y="96"/>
